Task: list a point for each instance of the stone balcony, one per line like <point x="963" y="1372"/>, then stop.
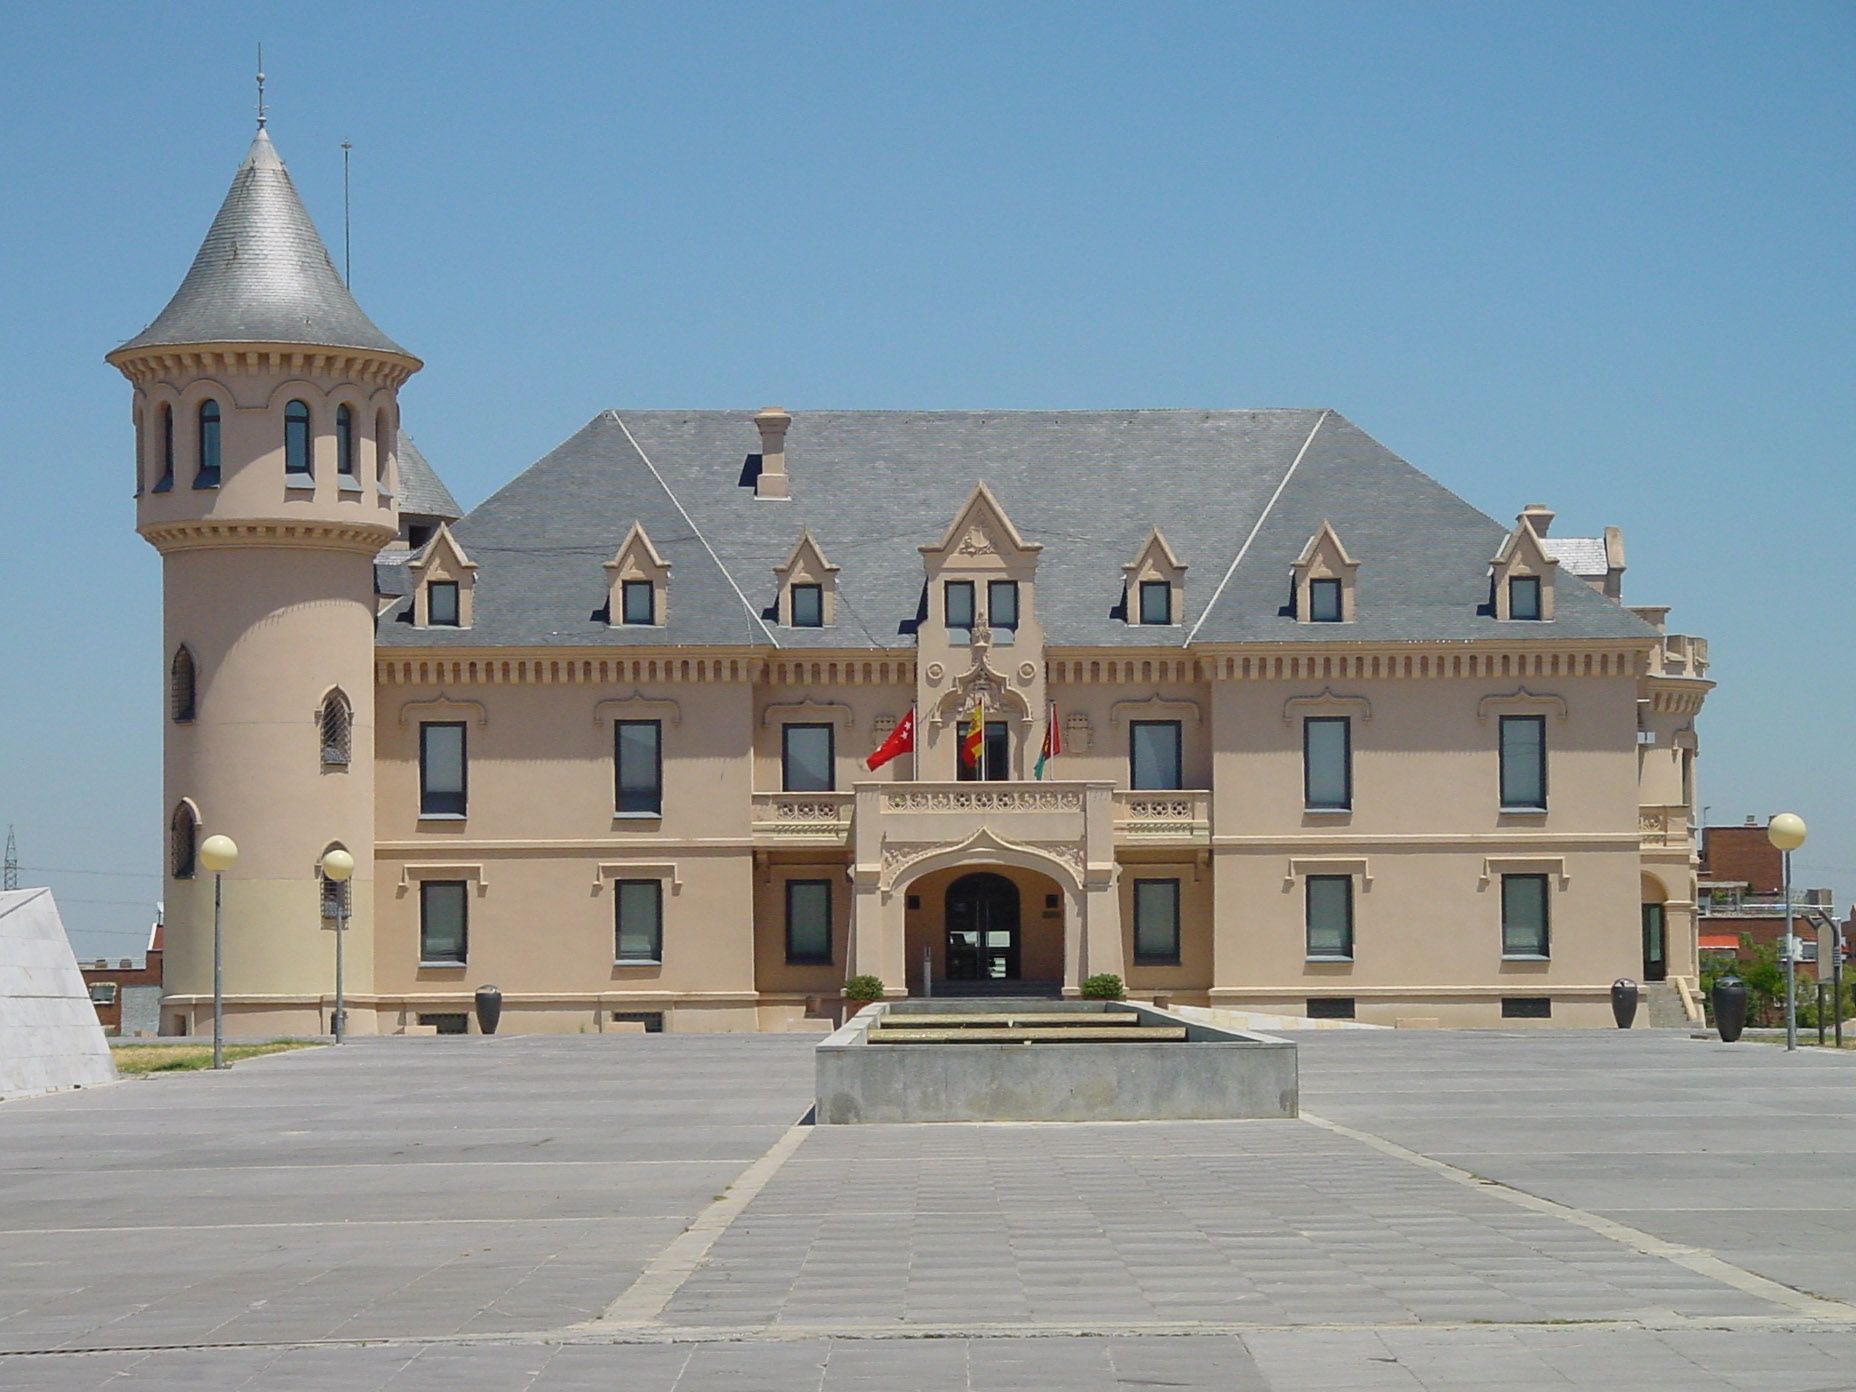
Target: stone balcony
<point x="1664" y="827"/>
<point x="1182" y="818"/>
<point x="802" y="819"/>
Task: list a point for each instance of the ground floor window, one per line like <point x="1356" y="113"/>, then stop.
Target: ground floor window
<point x="1330" y="1007"/>
<point x="1524" y="915"/>
<point x="1330" y="917"/>
<point x="444" y="914"/>
<point x="808" y="921"/>
<point x="1156" y="922"/>
<point x="639" y="931"/>
<point x="1527" y="1008"/>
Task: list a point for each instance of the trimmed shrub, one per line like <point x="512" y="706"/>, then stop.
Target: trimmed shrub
<point x="864" y="989"/>
<point x="1105" y="986"/>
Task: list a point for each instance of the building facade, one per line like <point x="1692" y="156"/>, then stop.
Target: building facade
<point x="128" y="993"/>
<point x="1259" y="715"/>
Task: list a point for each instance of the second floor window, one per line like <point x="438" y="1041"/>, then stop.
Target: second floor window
<point x="957" y="603"/>
<point x="806" y="757"/>
<point x="1153" y="754"/>
<point x="808" y="606"/>
<point x="444" y="922"/>
<point x="808" y="921"/>
<point x="206" y="474"/>
<point x="1324" y="601"/>
<point x="441" y="604"/>
<point x="1524" y="763"/>
<point x="1330" y="916"/>
<point x="1327" y="763"/>
<point x="1156" y="922"/>
<point x="1002" y="604"/>
<point x="638" y="602"/>
<point x="638" y="767"/>
<point x="1156" y="602"/>
<point x="442" y="772"/>
<point x="1524" y="597"/>
<point x="296" y="442"/>
<point x="995" y="765"/>
<point x="1524" y="915"/>
<point x="638" y="932"/>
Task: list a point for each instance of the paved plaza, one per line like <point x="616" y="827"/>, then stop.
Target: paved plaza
<point x="1455" y="1210"/>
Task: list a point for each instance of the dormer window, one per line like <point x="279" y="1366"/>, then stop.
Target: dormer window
<point x="1521" y="575"/>
<point x="1154" y="584"/>
<point x="638" y="605"/>
<point x="1324" y="579"/>
<point x="444" y="579"/>
<point x="1324" y="601"/>
<point x="808" y="606"/>
<point x="1524" y="597"/>
<point x="638" y="583"/>
<point x="957" y="603"/>
<point x="1156" y="602"/>
<point x="442" y="604"/>
<point x="1002" y="605"/>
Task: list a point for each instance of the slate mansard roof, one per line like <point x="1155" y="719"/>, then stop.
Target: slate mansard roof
<point x="263" y="275"/>
<point x="874" y="486"/>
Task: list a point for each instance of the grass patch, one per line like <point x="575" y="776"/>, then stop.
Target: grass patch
<point x="185" y="1058"/>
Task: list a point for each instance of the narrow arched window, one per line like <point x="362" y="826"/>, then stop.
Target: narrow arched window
<point x="166" y="481"/>
<point x="207" y="475"/>
<point x="141" y="454"/>
<point x="180" y="685"/>
<point x="296" y="440"/>
<point x="183" y="831"/>
<point x="383" y="450"/>
<point x="344" y="441"/>
<point x="337" y="727"/>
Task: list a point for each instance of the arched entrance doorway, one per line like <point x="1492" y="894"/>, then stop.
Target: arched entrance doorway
<point x="982" y="929"/>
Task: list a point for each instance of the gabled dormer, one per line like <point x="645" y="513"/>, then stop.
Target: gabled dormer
<point x="807" y="586"/>
<point x="980" y="573"/>
<point x="443" y="579"/>
<point x="1326" y="579"/>
<point x="638" y="583"/>
<point x="1522" y="574"/>
<point x="1154" y="584"/>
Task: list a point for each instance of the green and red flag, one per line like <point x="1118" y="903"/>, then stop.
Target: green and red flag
<point x="1053" y="743"/>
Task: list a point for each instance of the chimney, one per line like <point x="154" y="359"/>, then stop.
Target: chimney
<point x="772" y="482"/>
<point x="1540" y="515"/>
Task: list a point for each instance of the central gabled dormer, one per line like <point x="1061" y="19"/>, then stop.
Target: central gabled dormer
<point x="980" y="641"/>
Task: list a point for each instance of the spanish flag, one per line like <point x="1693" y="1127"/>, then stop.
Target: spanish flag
<point x="973" y="740"/>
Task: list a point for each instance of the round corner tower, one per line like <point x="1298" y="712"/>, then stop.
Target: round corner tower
<point x="266" y="414"/>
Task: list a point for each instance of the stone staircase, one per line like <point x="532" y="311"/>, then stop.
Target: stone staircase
<point x="1662" y="1007"/>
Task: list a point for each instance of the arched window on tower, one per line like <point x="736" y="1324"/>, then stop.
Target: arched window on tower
<point x="337" y="730"/>
<point x="383" y="450"/>
<point x="207" y="475"/>
<point x="141" y="453"/>
<point x="344" y="443"/>
<point x="183" y="831"/>
<point x="166" y="480"/>
<point x="180" y="685"/>
<point x="296" y="442"/>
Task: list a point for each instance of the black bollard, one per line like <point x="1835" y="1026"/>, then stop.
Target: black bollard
<point x="1730" y="1007"/>
<point x="1624" y="996"/>
<point x="489" y="1008"/>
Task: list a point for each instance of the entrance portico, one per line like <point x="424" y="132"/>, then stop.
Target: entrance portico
<point x="971" y="843"/>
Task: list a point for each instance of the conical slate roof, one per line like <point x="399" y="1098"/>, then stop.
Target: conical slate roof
<point x="422" y="492"/>
<point x="262" y="275"/>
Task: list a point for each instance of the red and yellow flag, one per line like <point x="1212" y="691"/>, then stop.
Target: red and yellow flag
<point x="973" y="739"/>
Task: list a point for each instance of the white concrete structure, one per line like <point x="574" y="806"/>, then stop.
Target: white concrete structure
<point x="49" y="1035"/>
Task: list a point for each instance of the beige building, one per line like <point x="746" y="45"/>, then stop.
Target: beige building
<point x="1325" y="738"/>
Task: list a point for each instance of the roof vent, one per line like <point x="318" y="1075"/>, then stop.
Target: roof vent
<point x="772" y="481"/>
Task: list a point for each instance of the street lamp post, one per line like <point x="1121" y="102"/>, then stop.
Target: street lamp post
<point x="1787" y="831"/>
<point x="337" y="866"/>
<point x="218" y="854"/>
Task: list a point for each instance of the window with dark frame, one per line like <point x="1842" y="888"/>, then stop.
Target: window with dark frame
<point x="1327" y="763"/>
<point x="1523" y="740"/>
<point x="183" y="833"/>
<point x="1527" y="1007"/>
<point x="995" y="756"/>
<point x="297" y="462"/>
<point x="1156" y="922"/>
<point x="441" y="604"/>
<point x="807" y="758"/>
<point x="957" y="603"/>
<point x="166" y="481"/>
<point x="444" y="922"/>
<point x="334" y="897"/>
<point x="1324" y="601"/>
<point x="336" y="727"/>
<point x="1154" y="755"/>
<point x="1524" y="597"/>
<point x="637" y="602"/>
<point x="1329" y="901"/>
<point x="344" y="442"/>
<point x="383" y="450"/>
<point x="808" y="922"/>
<point x="638" y="921"/>
<point x="1330" y="1008"/>
<point x="1524" y="916"/>
<point x="206" y="472"/>
<point x="1156" y="602"/>
<point x="808" y="606"/>
<point x="1002" y="605"/>
<point x="638" y="767"/>
<point x="443" y="776"/>
<point x="181" y="689"/>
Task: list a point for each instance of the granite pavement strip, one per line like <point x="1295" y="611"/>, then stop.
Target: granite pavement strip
<point x="640" y="1213"/>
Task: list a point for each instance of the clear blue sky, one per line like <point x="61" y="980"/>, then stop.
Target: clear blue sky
<point x="1595" y="256"/>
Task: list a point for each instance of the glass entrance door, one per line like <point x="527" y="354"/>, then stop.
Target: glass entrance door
<point x="1655" y="944"/>
<point x="982" y="929"/>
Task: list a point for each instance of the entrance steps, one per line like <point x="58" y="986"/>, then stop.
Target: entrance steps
<point x="1663" y="1007"/>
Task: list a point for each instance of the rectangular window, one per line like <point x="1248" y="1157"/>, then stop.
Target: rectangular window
<point x="995" y="756"/>
<point x="638" y="767"/>
<point x="103" y="992"/>
<point x="808" y="921"/>
<point x="1327" y="763"/>
<point x="334" y="897"/>
<point x="1330" y="1007"/>
<point x="444" y="922"/>
<point x="1330" y="917"/>
<point x="1156" y="922"/>
<point x="1002" y="604"/>
<point x="1156" y="602"/>
<point x="638" y="907"/>
<point x="442" y="774"/>
<point x="806" y="759"/>
<point x="1524" y="763"/>
<point x="1524" y="597"/>
<point x="1527" y="1007"/>
<point x="441" y="604"/>
<point x="957" y="603"/>
<point x="808" y="606"/>
<point x="1324" y="601"/>
<point x="1153" y="754"/>
<point x="1524" y="916"/>
<point x="638" y="603"/>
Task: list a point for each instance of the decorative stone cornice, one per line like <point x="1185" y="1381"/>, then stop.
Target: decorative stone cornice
<point x="637" y="706"/>
<point x="151" y="364"/>
<point x="1523" y="700"/>
<point x="1327" y="702"/>
<point x="364" y="538"/>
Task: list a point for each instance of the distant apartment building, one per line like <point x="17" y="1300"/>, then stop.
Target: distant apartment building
<point x="127" y="994"/>
<point x="1740" y="899"/>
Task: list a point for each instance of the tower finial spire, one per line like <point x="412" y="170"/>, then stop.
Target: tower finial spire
<point x="260" y="86"/>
